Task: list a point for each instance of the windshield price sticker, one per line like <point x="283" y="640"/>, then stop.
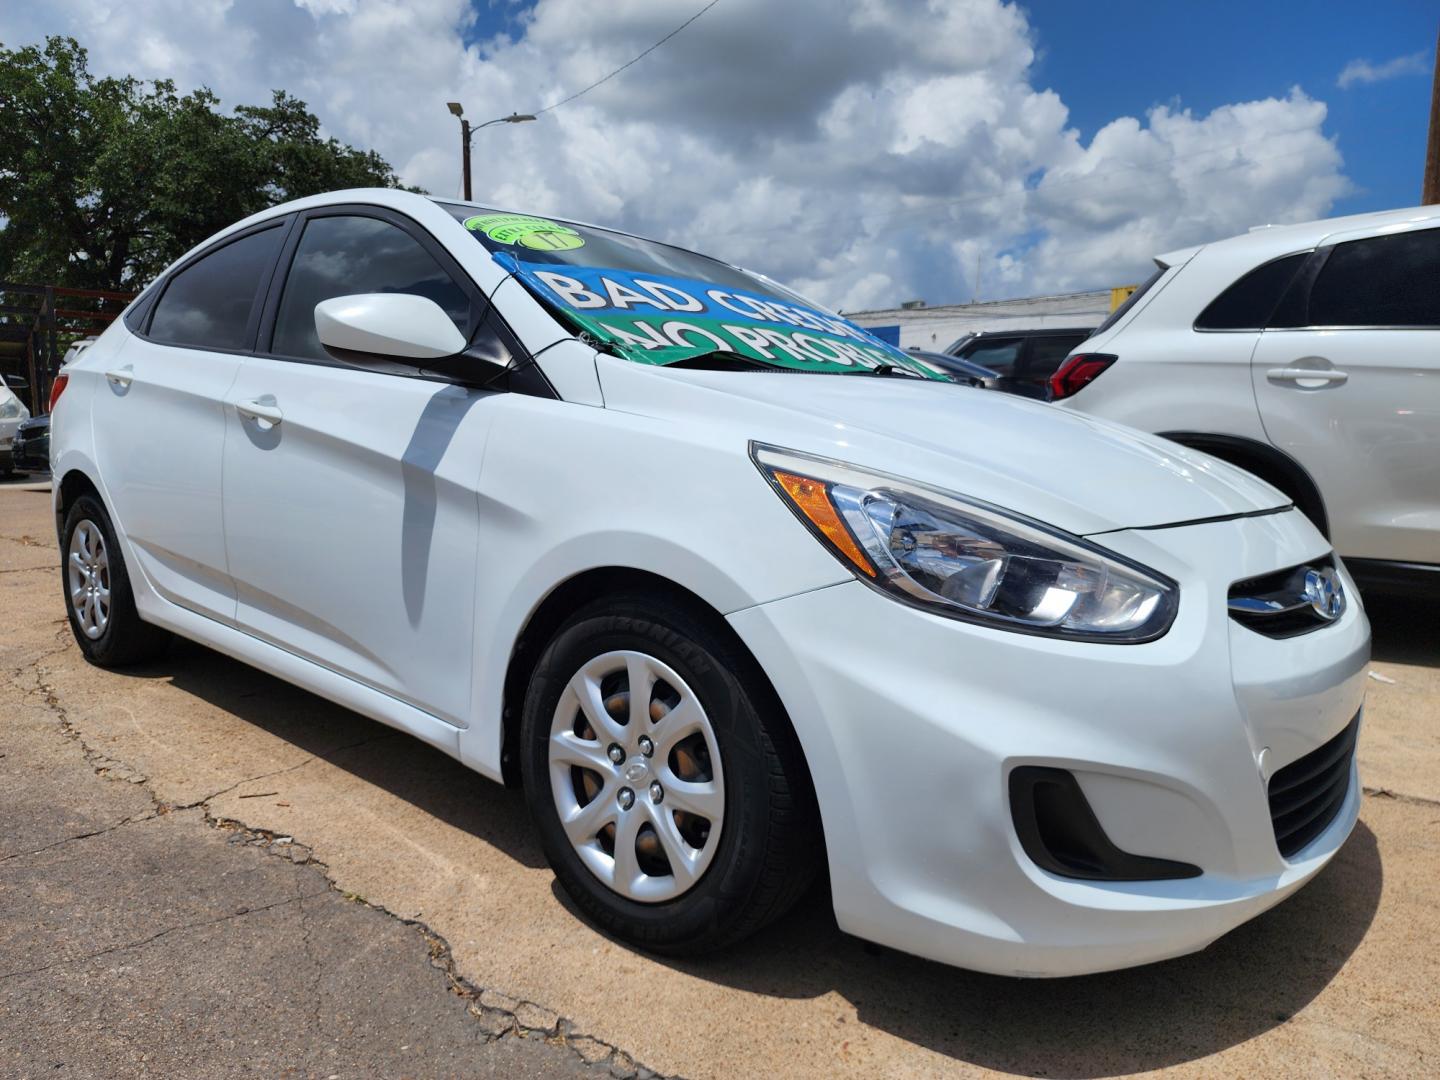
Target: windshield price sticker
<point x="534" y="233"/>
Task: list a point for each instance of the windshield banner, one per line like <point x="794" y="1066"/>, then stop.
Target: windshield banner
<point x="658" y="319"/>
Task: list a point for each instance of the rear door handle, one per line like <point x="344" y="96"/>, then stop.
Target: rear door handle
<point x="121" y="377"/>
<point x="1298" y="374"/>
<point x="266" y="412"/>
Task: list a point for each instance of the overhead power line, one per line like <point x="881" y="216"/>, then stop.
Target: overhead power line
<point x="622" y="67"/>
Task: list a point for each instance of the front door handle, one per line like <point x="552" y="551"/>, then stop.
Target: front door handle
<point x="263" y="410"/>
<point x="121" y="377"/>
<point x="1299" y="374"/>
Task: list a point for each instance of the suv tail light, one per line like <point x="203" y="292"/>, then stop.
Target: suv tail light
<point x="57" y="388"/>
<point x="1077" y="373"/>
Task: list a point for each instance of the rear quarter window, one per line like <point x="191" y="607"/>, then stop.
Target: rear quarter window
<point x="1249" y="302"/>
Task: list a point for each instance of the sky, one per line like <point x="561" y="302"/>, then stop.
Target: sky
<point x="865" y="152"/>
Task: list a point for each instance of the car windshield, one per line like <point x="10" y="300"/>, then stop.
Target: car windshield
<point x="660" y="304"/>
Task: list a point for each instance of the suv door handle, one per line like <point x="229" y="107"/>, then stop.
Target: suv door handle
<point x="121" y="377"/>
<point x="1298" y="374"/>
<point x="266" y="411"/>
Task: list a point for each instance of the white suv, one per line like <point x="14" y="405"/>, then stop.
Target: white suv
<point x="1307" y="354"/>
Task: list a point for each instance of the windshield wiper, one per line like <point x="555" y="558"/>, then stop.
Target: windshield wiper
<point x="722" y="360"/>
<point x="890" y="371"/>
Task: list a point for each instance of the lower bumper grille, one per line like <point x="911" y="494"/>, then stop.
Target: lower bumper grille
<point x="1306" y="795"/>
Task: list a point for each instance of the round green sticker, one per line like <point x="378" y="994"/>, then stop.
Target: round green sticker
<point x="531" y="232"/>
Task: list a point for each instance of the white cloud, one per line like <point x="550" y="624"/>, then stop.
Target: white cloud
<point x="865" y="153"/>
<point x="1139" y="190"/>
<point x="1363" y="71"/>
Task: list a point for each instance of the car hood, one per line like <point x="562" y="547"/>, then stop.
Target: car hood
<point x="1073" y="471"/>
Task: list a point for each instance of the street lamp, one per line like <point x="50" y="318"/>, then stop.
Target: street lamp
<point x="466" y="128"/>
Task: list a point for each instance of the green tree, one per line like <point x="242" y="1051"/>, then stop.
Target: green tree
<point x="105" y="181"/>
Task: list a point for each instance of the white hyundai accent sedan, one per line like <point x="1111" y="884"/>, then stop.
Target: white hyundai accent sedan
<point x="735" y="590"/>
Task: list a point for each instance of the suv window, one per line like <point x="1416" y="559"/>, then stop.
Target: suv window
<point x="345" y="254"/>
<point x="1381" y="281"/>
<point x="1249" y="302"/>
<point x="998" y="354"/>
<point x="207" y="305"/>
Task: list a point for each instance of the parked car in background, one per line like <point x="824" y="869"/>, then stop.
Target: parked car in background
<point x="1023" y="360"/>
<point x="732" y="588"/>
<point x="12" y="414"/>
<point x="31" y="449"/>
<point x="962" y="371"/>
<point x="1308" y="355"/>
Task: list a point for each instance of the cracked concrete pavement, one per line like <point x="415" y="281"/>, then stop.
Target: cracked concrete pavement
<point x="398" y="918"/>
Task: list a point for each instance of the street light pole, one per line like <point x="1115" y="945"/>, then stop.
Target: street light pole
<point x="466" y="129"/>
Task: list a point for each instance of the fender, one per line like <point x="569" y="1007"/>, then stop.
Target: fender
<point x="1271" y="465"/>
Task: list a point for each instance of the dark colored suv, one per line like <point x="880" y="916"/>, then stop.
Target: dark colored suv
<point x="1024" y="359"/>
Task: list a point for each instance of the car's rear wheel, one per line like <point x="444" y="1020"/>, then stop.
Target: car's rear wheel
<point x="98" y="599"/>
<point x="667" y="789"/>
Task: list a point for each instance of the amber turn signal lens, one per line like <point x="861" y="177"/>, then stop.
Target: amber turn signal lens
<point x="813" y="500"/>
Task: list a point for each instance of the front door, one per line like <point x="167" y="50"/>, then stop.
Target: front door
<point x="1352" y="393"/>
<point x="351" y="511"/>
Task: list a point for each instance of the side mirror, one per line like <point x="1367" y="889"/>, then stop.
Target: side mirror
<point x="390" y="325"/>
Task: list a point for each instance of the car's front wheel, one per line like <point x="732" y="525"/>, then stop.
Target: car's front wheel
<point x="98" y="599"/>
<point x="669" y="795"/>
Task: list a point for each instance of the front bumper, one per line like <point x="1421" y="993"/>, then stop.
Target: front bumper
<point x="911" y="724"/>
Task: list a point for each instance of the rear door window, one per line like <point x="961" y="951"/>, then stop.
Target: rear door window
<point x="1249" y="302"/>
<point x="997" y="354"/>
<point x="208" y="304"/>
<point x="1381" y="281"/>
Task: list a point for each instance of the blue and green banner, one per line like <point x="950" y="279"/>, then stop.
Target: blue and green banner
<point x="656" y="318"/>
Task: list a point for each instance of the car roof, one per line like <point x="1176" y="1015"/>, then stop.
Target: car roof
<point x="1265" y="242"/>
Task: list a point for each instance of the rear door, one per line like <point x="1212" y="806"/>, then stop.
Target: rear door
<point x="351" y="511"/>
<point x="159" y="417"/>
<point x="1347" y="379"/>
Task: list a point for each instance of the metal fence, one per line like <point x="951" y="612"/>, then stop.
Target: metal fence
<point x="38" y="323"/>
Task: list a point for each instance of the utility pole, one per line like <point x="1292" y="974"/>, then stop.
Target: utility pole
<point x="466" y="130"/>
<point x="465" y="154"/>
<point x="1430" y="191"/>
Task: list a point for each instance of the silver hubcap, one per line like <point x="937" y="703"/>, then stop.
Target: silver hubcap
<point x="635" y="772"/>
<point x="88" y="569"/>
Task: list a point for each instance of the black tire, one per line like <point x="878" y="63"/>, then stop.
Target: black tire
<point x="770" y="844"/>
<point x="126" y="639"/>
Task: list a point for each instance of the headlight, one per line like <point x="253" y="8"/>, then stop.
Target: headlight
<point x="9" y="409"/>
<point x="967" y="559"/>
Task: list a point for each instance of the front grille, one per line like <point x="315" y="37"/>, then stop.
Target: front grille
<point x="1278" y="605"/>
<point x="1306" y="795"/>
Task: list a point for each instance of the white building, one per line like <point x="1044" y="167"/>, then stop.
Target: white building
<point x="915" y="326"/>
